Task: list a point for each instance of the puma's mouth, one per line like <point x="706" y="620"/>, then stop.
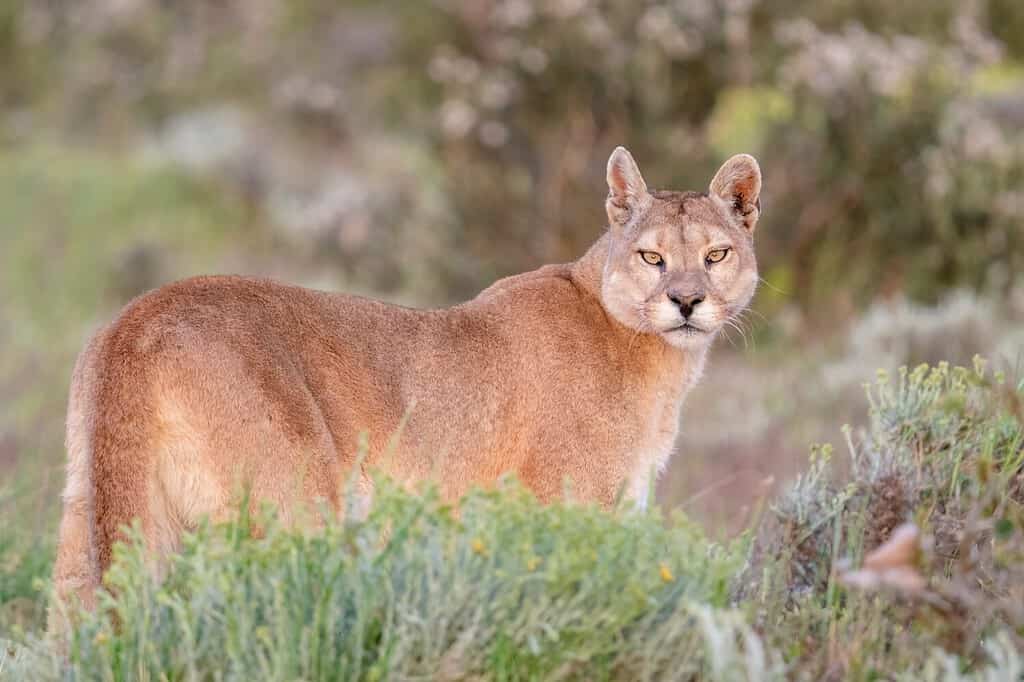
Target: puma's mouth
<point x="688" y="329"/>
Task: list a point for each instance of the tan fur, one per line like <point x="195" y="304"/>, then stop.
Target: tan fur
<point x="569" y="375"/>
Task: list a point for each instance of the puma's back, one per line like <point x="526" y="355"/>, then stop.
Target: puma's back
<point x="571" y="374"/>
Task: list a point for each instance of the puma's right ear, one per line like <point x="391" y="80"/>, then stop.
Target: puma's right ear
<point x="627" y="191"/>
<point x="738" y="184"/>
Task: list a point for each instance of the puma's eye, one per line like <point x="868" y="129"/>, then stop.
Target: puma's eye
<point x="716" y="256"/>
<point x="651" y="258"/>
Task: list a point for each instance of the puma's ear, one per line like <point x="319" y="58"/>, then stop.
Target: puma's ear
<point x="627" y="191"/>
<point x="738" y="184"/>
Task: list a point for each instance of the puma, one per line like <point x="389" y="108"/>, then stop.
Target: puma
<point x="570" y="376"/>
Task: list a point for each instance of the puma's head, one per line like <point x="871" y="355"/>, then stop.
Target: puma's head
<point x="680" y="264"/>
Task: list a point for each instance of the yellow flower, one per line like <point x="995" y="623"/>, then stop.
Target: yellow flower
<point x="666" y="572"/>
<point x="478" y="547"/>
<point x="533" y="563"/>
<point x="100" y="638"/>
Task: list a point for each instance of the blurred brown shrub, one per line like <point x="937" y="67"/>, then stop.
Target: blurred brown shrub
<point x="888" y="132"/>
<point x="889" y="165"/>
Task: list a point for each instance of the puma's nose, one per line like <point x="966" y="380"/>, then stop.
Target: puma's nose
<point x="686" y="302"/>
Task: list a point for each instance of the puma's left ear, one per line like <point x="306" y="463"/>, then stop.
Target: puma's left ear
<point x="738" y="184"/>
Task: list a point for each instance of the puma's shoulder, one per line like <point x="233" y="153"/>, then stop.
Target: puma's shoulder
<point x="545" y="282"/>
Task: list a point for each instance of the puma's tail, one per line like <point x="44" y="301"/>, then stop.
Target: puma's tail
<point x="108" y="468"/>
<point x="76" y="572"/>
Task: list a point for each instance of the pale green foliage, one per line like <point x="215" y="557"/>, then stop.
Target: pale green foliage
<point x="509" y="589"/>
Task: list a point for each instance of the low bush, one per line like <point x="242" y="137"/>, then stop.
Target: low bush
<point x="507" y="589"/>
<point x="944" y="450"/>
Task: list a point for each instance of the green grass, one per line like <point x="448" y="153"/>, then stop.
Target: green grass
<point x="26" y="555"/>
<point x="510" y="590"/>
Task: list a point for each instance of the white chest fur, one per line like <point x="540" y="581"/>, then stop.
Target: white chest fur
<point x="652" y="456"/>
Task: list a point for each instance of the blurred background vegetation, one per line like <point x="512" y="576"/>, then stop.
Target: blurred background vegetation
<point x="416" y="151"/>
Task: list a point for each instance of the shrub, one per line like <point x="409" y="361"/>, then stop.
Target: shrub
<point x="945" y="450"/>
<point x="507" y="589"/>
<point x="886" y="168"/>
